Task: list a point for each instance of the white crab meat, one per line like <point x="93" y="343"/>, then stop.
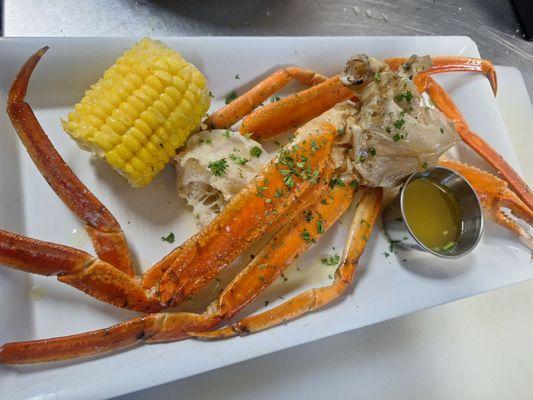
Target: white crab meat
<point x="395" y="133"/>
<point x="213" y="167"/>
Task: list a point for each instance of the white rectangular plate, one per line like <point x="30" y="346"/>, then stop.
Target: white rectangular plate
<point x="387" y="286"/>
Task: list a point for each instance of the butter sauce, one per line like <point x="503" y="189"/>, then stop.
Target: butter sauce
<point x="432" y="214"/>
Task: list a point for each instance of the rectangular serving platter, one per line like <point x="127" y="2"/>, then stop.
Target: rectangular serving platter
<point x="386" y="287"/>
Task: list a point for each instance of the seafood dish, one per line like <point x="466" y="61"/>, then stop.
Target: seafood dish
<point x="346" y="139"/>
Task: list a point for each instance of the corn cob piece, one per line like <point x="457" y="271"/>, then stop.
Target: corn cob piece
<point x="142" y="109"/>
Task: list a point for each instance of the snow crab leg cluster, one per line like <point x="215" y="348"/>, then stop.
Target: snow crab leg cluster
<point x="295" y="199"/>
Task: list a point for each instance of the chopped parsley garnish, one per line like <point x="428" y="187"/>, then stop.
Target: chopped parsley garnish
<point x="372" y="151"/>
<point x="278" y="193"/>
<point x="306" y="235"/>
<point x="314" y="146"/>
<point x="320" y="226"/>
<point x="397" y="137"/>
<point x="407" y="96"/>
<point x="291" y="165"/>
<point x="392" y="243"/>
<point x="424" y="165"/>
<point x="377" y="77"/>
<point x="388" y="129"/>
<point x="238" y="160"/>
<point x="274" y="99"/>
<point x="441" y="130"/>
<point x="218" y="168"/>
<point x="289" y="182"/>
<point x="227" y="133"/>
<point x="211" y="94"/>
<point x="308" y="215"/>
<point x="336" y="182"/>
<point x="399" y="123"/>
<point x="354" y="184"/>
<point x="331" y="260"/>
<point x="169" y="238"/>
<point x="256" y="151"/>
<point x="230" y="97"/>
<point x="237" y="76"/>
<point x="449" y="246"/>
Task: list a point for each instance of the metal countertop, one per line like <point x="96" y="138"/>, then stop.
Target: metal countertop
<point x="490" y="23"/>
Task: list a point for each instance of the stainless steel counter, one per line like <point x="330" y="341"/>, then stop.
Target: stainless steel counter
<point x="490" y="23"/>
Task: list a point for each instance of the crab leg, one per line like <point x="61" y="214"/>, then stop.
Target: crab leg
<point x="312" y="220"/>
<point x="450" y="64"/>
<point x="295" y="110"/>
<point x="100" y="341"/>
<point x="247" y="102"/>
<point x="444" y="103"/>
<point x="77" y="268"/>
<point x="495" y="195"/>
<point x="105" y="232"/>
<point x="249" y="215"/>
<point x="311" y="215"/>
<point x="365" y="216"/>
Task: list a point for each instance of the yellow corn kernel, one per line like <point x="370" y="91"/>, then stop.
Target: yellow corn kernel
<point x="143" y="108"/>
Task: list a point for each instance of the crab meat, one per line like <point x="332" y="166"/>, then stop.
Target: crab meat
<point x="208" y="193"/>
<point x="396" y="132"/>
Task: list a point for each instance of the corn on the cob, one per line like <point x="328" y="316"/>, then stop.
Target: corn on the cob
<point x="144" y="108"/>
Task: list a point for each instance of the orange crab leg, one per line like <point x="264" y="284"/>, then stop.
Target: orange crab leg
<point x="275" y="257"/>
<point x="105" y="232"/>
<point x="311" y="215"/>
<point x="77" y="268"/>
<point x="100" y="341"/>
<point x="444" y="103"/>
<point x="364" y="219"/>
<point x="247" y="102"/>
<point x="295" y="110"/>
<point x="249" y="215"/>
<point x="450" y="64"/>
<point x="495" y="195"/>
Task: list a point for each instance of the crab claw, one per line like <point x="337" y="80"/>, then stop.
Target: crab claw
<point x="495" y="197"/>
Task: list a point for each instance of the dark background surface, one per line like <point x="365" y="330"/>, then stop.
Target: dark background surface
<point x="524" y="10"/>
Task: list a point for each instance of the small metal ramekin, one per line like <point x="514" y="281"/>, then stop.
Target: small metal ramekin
<point x="397" y="227"/>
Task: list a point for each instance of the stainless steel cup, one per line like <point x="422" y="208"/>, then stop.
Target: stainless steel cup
<point x="397" y="228"/>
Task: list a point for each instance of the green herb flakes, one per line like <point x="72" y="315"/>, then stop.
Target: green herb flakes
<point x="399" y="123"/>
<point x="331" y="259"/>
<point x="169" y="238"/>
<point x="230" y="97"/>
<point x="407" y="96"/>
<point x="256" y="151"/>
<point x="336" y="182"/>
<point x="218" y="168"/>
